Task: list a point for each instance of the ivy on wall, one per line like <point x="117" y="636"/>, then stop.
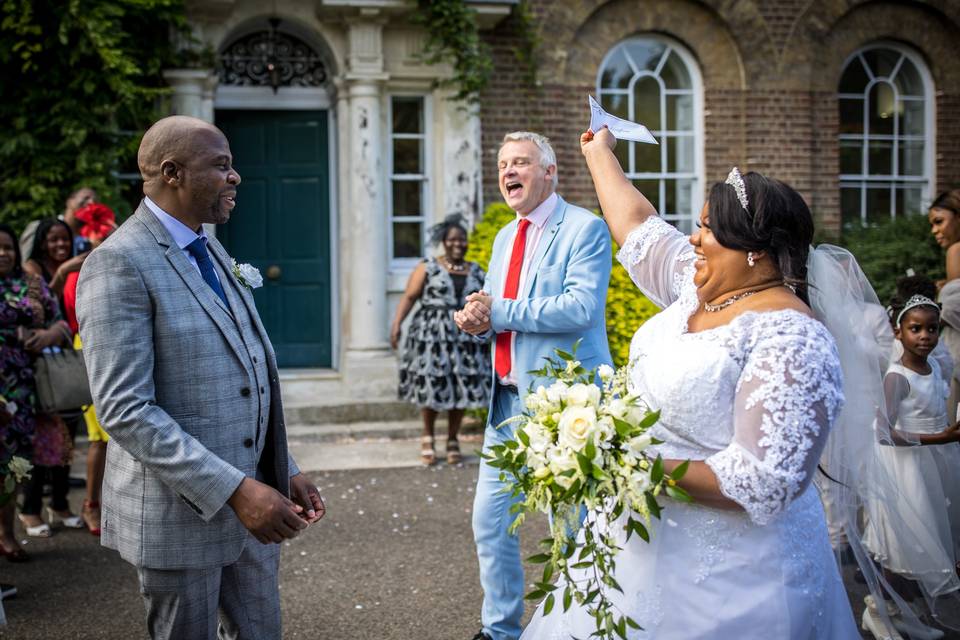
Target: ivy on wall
<point x="627" y="308"/>
<point x="453" y="36"/>
<point x="80" y="83"/>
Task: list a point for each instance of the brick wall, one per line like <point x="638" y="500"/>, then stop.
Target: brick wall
<point x="769" y="71"/>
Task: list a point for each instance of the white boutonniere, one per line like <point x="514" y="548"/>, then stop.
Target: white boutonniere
<point x="247" y="275"/>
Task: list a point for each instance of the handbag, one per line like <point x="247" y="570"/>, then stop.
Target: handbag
<point x="62" y="384"/>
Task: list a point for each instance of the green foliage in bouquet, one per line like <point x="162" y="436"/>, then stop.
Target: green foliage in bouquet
<point x="583" y="448"/>
<point x="885" y="252"/>
<point x="627" y="308"/>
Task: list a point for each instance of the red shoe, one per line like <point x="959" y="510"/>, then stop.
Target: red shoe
<point x="91" y="516"/>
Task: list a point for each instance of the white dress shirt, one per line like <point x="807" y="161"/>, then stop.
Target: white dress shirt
<point x="181" y="233"/>
<point x="538" y="222"/>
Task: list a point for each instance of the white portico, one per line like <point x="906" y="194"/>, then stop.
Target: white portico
<point x="348" y="153"/>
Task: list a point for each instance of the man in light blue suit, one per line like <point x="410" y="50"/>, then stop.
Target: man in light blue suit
<point x="546" y="288"/>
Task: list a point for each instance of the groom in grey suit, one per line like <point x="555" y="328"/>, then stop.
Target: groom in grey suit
<point x="199" y="486"/>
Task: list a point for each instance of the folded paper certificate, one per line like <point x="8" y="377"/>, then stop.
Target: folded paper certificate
<point x="620" y="128"/>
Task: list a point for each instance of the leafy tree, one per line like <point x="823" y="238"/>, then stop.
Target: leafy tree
<point x="80" y="80"/>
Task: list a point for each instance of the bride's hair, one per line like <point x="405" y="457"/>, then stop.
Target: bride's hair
<point x="776" y="221"/>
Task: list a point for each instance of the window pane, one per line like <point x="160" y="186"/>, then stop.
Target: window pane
<point x="616" y="72"/>
<point x="880" y="158"/>
<point x="911" y="122"/>
<point x="406" y="197"/>
<point x="407" y="115"/>
<point x="646" y="102"/>
<point x="674" y="73"/>
<point x="908" y="80"/>
<point x="679" y="154"/>
<point x="854" y="78"/>
<point x="851" y="116"/>
<point x="908" y="200"/>
<point x="878" y="204"/>
<point x="850" y="207"/>
<point x="680" y="113"/>
<point x="678" y="194"/>
<point x="851" y="156"/>
<point x="650" y="189"/>
<point x="911" y="158"/>
<point x="406" y="156"/>
<point x="646" y="54"/>
<point x="407" y="241"/>
<point x="881" y="61"/>
<point x="647" y="157"/>
<point x="882" y="109"/>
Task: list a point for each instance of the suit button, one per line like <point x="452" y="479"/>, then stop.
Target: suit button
<point x="261" y="389"/>
<point x="245" y="392"/>
<point x="248" y="443"/>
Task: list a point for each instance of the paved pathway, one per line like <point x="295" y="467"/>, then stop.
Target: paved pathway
<point x="393" y="560"/>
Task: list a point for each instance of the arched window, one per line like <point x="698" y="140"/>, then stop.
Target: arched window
<point x="656" y="82"/>
<point x="886" y="141"/>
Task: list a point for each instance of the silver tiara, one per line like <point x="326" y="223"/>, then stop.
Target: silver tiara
<point x="735" y="180"/>
<point x="916" y="301"/>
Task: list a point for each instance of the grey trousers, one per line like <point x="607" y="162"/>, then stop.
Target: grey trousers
<point x="242" y="599"/>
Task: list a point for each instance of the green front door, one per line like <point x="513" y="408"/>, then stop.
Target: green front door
<point x="281" y="225"/>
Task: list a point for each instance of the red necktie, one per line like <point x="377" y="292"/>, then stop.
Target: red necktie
<point x="501" y="359"/>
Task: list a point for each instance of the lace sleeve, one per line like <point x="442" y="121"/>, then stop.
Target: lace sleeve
<point x="789" y="392"/>
<point x="655" y="254"/>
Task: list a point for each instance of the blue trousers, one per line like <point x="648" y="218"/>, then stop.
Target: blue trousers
<point x="501" y="570"/>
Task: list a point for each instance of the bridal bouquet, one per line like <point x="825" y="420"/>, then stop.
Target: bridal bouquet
<point x="582" y="449"/>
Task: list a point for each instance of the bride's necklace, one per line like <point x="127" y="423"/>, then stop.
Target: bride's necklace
<point x="456" y="268"/>
<point x="713" y="308"/>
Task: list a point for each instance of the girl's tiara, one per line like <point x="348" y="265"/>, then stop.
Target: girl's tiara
<point x="914" y="302"/>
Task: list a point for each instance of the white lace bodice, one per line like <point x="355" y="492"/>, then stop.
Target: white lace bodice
<point x="755" y="399"/>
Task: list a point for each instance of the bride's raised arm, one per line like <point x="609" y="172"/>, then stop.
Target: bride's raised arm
<point x="653" y="251"/>
<point x="624" y="207"/>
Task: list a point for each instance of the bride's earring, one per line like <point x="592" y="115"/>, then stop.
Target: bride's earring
<point x="750" y="259"/>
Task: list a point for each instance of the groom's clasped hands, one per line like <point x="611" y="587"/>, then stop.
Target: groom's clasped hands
<point x="474" y="318"/>
<point x="270" y="516"/>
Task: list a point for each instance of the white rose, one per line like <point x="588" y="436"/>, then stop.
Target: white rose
<point x="563" y="460"/>
<point x="19" y="467"/>
<point x="604" y="432"/>
<point x="617" y="408"/>
<point x="539" y="437"/>
<point x="576" y="425"/>
<point x="636" y="445"/>
<point x="639" y="482"/>
<point x="582" y="395"/>
<point x="557" y="392"/>
<point x="605" y="372"/>
<point x="251" y="275"/>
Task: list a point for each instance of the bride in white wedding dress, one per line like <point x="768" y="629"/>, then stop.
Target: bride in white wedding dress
<point x="748" y="384"/>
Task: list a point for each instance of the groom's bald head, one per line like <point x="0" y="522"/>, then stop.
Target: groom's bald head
<point x="174" y="139"/>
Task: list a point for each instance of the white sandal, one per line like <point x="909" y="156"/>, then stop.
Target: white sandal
<point x="70" y="522"/>
<point x="41" y="530"/>
<point x="427" y="455"/>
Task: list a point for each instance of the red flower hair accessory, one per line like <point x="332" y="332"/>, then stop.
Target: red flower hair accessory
<point x="99" y="220"/>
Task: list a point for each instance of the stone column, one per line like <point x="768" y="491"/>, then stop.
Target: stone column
<point x="365" y="180"/>
<point x="192" y="92"/>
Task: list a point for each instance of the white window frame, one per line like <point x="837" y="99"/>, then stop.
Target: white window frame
<point x="696" y="176"/>
<point x="865" y="181"/>
<point x="426" y="200"/>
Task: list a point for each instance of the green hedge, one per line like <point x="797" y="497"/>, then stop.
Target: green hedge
<point x="627" y="308"/>
<point x="887" y="250"/>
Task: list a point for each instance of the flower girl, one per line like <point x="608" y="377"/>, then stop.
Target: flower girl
<point x="916" y="536"/>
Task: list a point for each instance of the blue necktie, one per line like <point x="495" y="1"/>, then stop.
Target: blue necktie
<point x="198" y="250"/>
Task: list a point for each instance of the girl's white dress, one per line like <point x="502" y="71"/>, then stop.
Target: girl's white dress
<point x="755" y="400"/>
<point x="917" y="534"/>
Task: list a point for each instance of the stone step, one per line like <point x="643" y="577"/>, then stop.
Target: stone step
<point x="350" y="412"/>
<point x="381" y="430"/>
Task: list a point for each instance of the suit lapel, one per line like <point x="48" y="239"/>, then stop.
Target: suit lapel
<point x="549" y="234"/>
<point x="243" y="292"/>
<point x="205" y="296"/>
